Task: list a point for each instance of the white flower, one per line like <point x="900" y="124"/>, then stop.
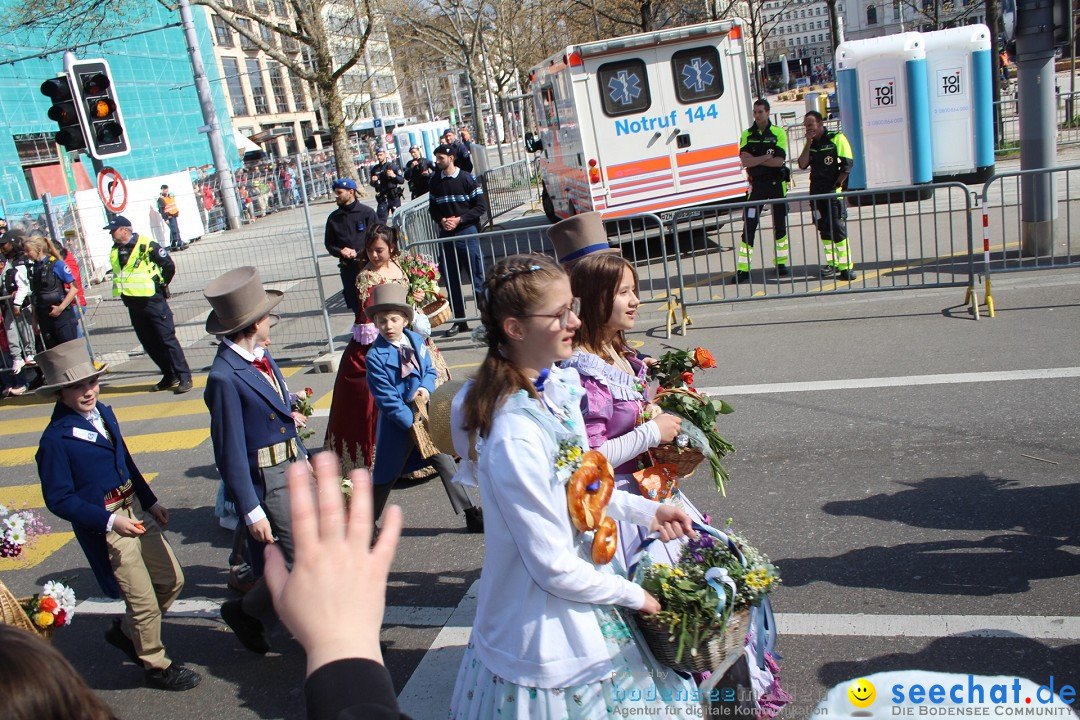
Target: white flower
<point x="15" y="523"/>
<point x="3" y="511"/>
<point x="16" y="537"/>
<point x="53" y="590"/>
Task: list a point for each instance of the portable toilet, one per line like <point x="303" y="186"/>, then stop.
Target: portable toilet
<point x="959" y="70"/>
<point x="884" y="112"/>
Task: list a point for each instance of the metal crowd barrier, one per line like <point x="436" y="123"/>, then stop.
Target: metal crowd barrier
<point x="900" y="244"/>
<point x="1007" y="115"/>
<point x="1010" y="242"/>
<point x="507" y="187"/>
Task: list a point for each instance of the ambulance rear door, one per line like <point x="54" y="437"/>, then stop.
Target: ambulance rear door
<point x="633" y="129"/>
<point x="703" y="91"/>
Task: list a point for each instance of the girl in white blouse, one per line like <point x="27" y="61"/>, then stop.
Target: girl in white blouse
<point x="553" y="637"/>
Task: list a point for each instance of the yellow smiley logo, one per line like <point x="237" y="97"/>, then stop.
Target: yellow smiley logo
<point x="861" y="693"/>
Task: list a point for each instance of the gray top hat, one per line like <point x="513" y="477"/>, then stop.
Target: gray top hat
<point x="239" y="300"/>
<point x="66" y="364"/>
<point x="578" y="236"/>
<point x="390" y="296"/>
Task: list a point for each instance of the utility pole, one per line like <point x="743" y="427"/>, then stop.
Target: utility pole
<point x="376" y="111"/>
<point x="211" y="127"/>
<point x="1038" y="124"/>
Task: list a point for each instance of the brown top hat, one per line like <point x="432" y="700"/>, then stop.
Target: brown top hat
<point x="390" y="296"/>
<point x="439" y="415"/>
<point x="238" y="299"/>
<point x="578" y="236"/>
<point x="64" y="365"/>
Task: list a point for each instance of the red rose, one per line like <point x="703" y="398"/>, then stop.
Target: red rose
<point x="431" y="275"/>
<point x="47" y="605"/>
<point x="309" y="392"/>
<point x="61" y="619"/>
<point x="688" y="378"/>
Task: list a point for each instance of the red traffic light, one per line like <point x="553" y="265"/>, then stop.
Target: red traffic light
<point x="95" y="84"/>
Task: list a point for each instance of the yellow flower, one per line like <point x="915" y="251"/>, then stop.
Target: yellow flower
<point x="44" y="619"/>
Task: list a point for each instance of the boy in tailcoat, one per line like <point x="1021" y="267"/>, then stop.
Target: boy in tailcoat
<point x="399" y="372"/>
<point x="89" y="478"/>
<point x="253" y="430"/>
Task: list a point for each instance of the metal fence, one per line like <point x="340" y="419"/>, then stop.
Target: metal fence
<point x="1012" y="240"/>
<point x="1007" y="114"/>
<point x="507" y="187"/>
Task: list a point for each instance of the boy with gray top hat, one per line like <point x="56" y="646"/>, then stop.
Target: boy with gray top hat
<point x="89" y="478"/>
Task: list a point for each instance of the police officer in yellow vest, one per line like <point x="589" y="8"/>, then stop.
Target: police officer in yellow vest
<point x="142" y="270"/>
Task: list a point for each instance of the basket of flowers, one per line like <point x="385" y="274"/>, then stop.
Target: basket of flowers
<point x="43" y="613"/>
<point x="423" y="275"/>
<point x="698" y="438"/>
<point x="705" y="601"/>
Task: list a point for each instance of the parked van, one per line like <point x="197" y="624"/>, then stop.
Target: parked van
<point x="643" y="123"/>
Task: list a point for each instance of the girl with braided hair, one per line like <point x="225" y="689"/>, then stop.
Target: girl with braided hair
<point x="552" y="636"/>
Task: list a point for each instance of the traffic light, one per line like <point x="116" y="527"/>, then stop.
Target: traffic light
<point x="64" y="112"/>
<point x="102" y="122"/>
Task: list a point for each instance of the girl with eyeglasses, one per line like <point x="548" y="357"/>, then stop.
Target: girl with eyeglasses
<point x="552" y="636"/>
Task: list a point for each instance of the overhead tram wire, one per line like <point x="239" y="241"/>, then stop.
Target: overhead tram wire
<point x="46" y="53"/>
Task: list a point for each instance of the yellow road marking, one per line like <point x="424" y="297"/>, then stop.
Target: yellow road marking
<point x="130" y="413"/>
<point x="463" y="365"/>
<point x="43" y="547"/>
<point x="156" y="442"/>
<point x="17" y="497"/>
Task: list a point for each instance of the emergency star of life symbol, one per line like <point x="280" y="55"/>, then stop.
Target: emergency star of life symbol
<point x="697" y="75"/>
<point x="625" y="87"/>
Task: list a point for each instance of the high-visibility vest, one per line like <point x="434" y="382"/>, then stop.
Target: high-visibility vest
<point x="169" y="205"/>
<point x="138" y="278"/>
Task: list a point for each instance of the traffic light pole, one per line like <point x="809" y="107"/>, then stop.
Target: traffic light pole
<point x="1038" y="124"/>
<point x="212" y="127"/>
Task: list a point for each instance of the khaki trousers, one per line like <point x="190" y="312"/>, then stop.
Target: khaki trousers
<point x="150" y="579"/>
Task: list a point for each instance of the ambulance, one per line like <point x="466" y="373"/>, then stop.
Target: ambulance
<point x="647" y="123"/>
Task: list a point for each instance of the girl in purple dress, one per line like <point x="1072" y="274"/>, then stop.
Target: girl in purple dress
<point x="617" y="397"/>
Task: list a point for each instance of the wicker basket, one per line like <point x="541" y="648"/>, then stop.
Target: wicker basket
<point x="420" y="432"/>
<point x="12" y="613"/>
<point x="685" y="460"/>
<point x="711" y="654"/>
<point x="438" y="312"/>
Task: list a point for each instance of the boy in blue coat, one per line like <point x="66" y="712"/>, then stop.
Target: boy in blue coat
<point x="399" y="372"/>
<point x="89" y="478"/>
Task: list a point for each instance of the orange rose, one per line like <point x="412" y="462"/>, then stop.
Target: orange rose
<point x="703" y="358"/>
<point x="47" y="605"/>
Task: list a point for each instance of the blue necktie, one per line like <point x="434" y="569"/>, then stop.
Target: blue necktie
<point x="408" y="360"/>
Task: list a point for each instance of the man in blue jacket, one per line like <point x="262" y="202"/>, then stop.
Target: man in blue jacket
<point x="89" y="478"/>
<point x="253" y="430"/>
<point x="400" y="374"/>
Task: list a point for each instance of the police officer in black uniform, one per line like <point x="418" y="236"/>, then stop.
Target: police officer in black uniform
<point x="387" y="179"/>
<point x="763" y="152"/>
<point x="461" y="152"/>
<point x="417" y="172"/>
<point x="133" y="259"/>
<point x="346" y="230"/>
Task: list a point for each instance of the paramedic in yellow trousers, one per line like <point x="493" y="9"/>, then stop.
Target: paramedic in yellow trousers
<point x="828" y="155"/>
<point x="763" y="152"/>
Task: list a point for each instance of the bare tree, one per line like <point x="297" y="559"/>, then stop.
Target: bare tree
<point x="760" y="25"/>
<point x="331" y="37"/>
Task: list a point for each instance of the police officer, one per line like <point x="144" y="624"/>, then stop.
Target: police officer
<point x="142" y="271"/>
<point x="763" y="152"/>
<point x="387" y="179"/>
<point x="417" y="172"/>
<point x="346" y="229"/>
<point x="828" y="155"/>
<point x="461" y="152"/>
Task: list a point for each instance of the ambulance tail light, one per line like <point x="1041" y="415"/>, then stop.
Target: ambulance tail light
<point x="594" y="173"/>
<point x="572" y="59"/>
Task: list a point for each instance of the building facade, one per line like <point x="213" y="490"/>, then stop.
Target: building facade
<point x="153" y="83"/>
<point x="799" y="31"/>
<point x="875" y="18"/>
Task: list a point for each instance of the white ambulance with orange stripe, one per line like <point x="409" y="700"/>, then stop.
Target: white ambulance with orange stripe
<point x="644" y="123"/>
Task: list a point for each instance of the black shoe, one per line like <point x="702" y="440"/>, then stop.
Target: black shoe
<point x="166" y="383"/>
<point x="848" y="275"/>
<point x="174" y="677"/>
<point x="827" y="271"/>
<point x="474" y="520"/>
<point x="183" y="386"/>
<point x="248" y="629"/>
<point x="742" y="276"/>
<point x="115" y="636"/>
<point x="456" y="328"/>
<point x="782" y="271"/>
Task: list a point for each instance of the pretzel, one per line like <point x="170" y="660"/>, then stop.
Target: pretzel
<point x="605" y="541"/>
<point x="589" y="490"/>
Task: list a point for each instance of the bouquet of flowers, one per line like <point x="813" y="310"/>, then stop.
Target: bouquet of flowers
<point x="52" y="608"/>
<point x="703" y="595"/>
<point x="301" y="403"/>
<point x="18" y="530"/>
<point x="677" y="395"/>
<point x="422" y="274"/>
